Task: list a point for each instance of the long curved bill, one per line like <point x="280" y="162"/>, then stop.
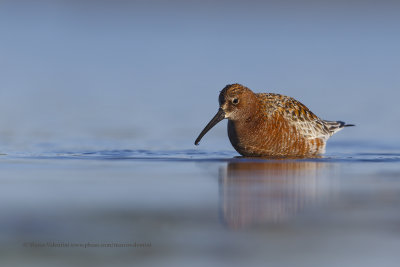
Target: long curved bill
<point x="217" y="118"/>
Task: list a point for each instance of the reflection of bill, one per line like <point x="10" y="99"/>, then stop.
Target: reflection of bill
<point x="253" y="193"/>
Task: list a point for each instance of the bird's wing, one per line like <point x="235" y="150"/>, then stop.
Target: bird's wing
<point x="297" y="115"/>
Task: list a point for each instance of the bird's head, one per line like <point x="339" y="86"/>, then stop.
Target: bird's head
<point x="235" y="103"/>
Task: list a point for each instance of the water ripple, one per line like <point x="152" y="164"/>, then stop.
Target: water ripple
<point x="193" y="155"/>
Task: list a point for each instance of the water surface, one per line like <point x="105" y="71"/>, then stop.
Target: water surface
<point x="200" y="206"/>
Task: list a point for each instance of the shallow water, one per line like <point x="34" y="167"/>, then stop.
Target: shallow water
<point x="199" y="206"/>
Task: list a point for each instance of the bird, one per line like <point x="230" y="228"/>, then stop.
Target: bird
<point x="270" y="124"/>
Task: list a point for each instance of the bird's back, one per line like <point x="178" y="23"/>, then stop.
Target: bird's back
<point x="299" y="116"/>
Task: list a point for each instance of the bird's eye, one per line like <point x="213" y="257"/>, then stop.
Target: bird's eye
<point x="235" y="101"/>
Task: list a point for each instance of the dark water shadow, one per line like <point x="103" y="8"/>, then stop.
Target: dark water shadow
<point x="258" y="193"/>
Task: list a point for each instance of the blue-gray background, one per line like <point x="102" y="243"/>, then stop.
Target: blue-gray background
<point x="146" y="74"/>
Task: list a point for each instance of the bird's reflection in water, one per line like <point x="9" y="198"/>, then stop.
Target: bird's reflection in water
<point x="256" y="193"/>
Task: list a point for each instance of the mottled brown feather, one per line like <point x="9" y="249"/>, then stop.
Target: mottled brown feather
<point x="273" y="125"/>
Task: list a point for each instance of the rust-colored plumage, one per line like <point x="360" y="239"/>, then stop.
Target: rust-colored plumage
<point x="274" y="125"/>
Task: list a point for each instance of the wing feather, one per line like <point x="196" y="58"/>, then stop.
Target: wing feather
<point x="297" y="114"/>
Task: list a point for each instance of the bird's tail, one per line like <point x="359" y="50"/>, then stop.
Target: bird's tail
<point x="335" y="126"/>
